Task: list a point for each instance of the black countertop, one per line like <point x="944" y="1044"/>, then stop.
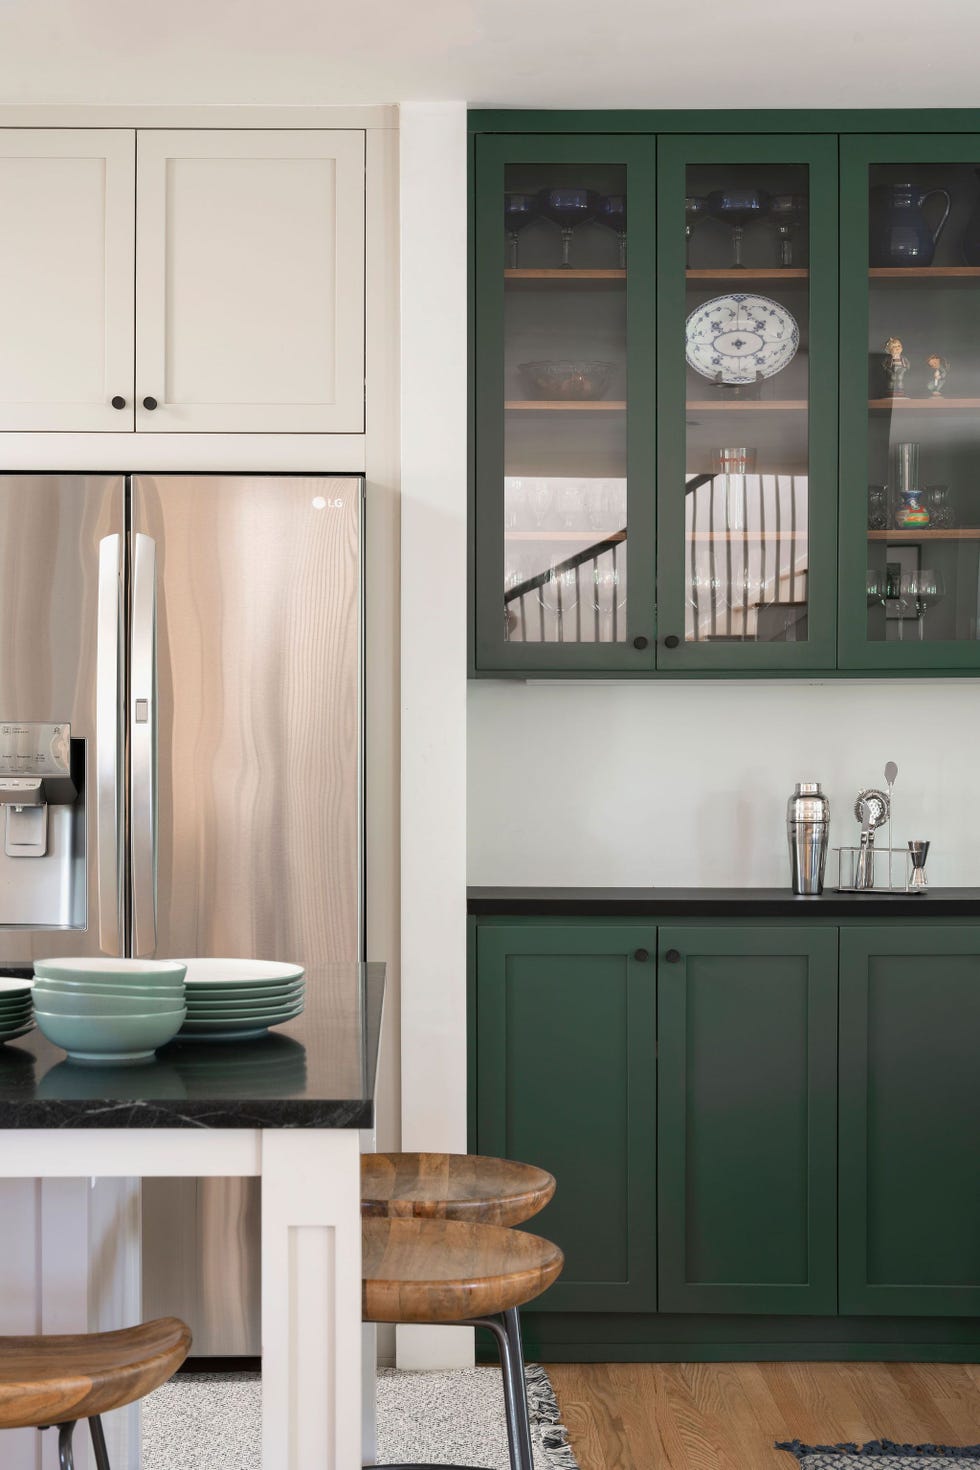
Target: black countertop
<point x="318" y="1071"/>
<point x="720" y="903"/>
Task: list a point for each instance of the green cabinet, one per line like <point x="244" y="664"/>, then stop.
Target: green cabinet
<point x="565" y="1058"/>
<point x="910" y="1120"/>
<point x="747" y="1108"/>
<point x="564" y="516"/>
<point x="696" y="446"/>
<point x="763" y="1128"/>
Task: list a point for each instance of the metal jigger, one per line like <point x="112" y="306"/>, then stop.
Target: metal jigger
<point x="919" y="852"/>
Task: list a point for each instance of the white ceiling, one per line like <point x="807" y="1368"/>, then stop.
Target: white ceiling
<point x="550" y="53"/>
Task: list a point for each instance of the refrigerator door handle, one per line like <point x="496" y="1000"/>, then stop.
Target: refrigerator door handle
<point x="143" y="745"/>
<point x="109" y="746"/>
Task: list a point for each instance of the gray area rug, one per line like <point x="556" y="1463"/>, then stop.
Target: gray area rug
<point x="212" y="1421"/>
<point x="884" y="1454"/>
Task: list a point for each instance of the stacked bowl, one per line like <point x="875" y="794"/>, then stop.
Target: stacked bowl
<point x="236" y="1000"/>
<point x="109" y="1010"/>
<point x="16" y="1008"/>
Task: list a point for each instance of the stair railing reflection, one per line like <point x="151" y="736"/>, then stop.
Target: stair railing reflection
<point x="747" y="551"/>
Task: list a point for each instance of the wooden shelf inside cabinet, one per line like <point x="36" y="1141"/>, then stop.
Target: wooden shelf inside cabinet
<point x="747" y="405"/>
<point x="926" y="405"/>
<point x="564" y="405"/>
<point x="925" y="275"/>
<point x="967" y="533"/>
<point x="731" y="276"/>
<point x="559" y="277"/>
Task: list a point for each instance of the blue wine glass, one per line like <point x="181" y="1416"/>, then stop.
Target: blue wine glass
<point x="568" y="208"/>
<point x="612" y="212"/>
<point x="519" y="211"/>
<point x="736" y="207"/>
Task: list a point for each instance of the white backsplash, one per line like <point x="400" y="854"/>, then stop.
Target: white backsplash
<point x="685" y="784"/>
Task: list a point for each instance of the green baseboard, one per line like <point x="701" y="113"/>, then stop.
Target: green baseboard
<point x="582" y="1337"/>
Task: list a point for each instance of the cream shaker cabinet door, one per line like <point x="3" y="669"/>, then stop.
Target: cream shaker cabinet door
<point x="250" y="281"/>
<point x="66" y="278"/>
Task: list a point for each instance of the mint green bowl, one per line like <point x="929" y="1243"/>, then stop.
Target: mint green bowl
<point x="170" y="990"/>
<point x="111" y="1038"/>
<point x="102" y="970"/>
<point x="50" y="1003"/>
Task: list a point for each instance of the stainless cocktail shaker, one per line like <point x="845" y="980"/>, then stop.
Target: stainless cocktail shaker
<point x="808" y="830"/>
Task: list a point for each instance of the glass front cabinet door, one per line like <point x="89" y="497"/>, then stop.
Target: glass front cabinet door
<point x="564" y="392"/>
<point x="910" y="403"/>
<point x="747" y="410"/>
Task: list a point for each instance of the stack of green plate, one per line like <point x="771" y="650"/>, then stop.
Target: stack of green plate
<point x="109" y="1010"/>
<point x="235" y="1000"/>
<point x="16" y="1008"/>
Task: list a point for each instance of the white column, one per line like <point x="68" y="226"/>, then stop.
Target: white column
<point x="433" y="655"/>
<point x="311" y="1299"/>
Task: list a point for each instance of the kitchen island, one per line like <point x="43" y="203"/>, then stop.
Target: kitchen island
<point x="287" y="1108"/>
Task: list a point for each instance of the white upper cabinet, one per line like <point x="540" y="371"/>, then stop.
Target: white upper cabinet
<point x="66" y="278"/>
<point x="250" y="281"/>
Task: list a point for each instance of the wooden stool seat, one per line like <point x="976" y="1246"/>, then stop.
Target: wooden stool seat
<point x="55" y="1380"/>
<point x="443" y="1271"/>
<point x="466" y="1187"/>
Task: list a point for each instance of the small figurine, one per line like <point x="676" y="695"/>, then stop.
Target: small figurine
<point x="896" y="365"/>
<point x="939" y="368"/>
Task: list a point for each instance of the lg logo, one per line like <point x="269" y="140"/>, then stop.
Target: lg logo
<point x="320" y="502"/>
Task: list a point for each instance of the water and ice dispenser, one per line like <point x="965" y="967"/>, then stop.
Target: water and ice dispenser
<point x="42" y="813"/>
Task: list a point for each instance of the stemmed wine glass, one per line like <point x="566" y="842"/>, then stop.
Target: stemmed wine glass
<point x="694" y="210"/>
<point x="924" y="588"/>
<point x="787" y="212"/>
<point x="736" y="207"/>
<point x="519" y="211"/>
<point x="568" y="208"/>
<point x="612" y="212"/>
<point x="608" y="597"/>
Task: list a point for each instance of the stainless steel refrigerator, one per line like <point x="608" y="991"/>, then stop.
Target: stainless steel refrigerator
<point x="181" y="766"/>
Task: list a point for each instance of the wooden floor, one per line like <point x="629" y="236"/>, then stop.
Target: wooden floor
<point x="726" y="1416"/>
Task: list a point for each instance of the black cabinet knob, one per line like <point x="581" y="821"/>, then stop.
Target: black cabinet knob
<point x="671" y="641"/>
<point x="149" y="403"/>
<point x="118" y="402"/>
<point x="673" y="955"/>
<point x="641" y="955"/>
<point x="640" y="642"/>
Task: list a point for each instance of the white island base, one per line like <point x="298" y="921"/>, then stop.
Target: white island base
<point x="81" y="1266"/>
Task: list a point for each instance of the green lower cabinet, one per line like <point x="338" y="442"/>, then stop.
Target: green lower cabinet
<point x="910" y="1120"/>
<point x="747" y="1111"/>
<point x="566" y="1034"/>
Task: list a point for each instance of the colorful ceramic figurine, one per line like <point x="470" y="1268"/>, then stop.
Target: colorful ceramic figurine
<point x="939" y="368"/>
<point x="896" y="365"/>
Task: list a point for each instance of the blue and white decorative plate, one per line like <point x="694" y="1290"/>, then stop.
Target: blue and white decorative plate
<point x="732" y="338"/>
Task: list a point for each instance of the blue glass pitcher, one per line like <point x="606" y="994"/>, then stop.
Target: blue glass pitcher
<point x="899" y="231"/>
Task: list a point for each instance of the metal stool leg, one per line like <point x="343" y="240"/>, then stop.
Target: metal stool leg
<point x="66" y="1459"/>
<point x="512" y="1326"/>
<point x="514" y="1392"/>
<point x="98" y="1443"/>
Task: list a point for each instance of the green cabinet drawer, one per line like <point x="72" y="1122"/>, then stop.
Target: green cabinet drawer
<point x="747" y="1119"/>
<point x="910" y="1120"/>
<point x="566" y="1079"/>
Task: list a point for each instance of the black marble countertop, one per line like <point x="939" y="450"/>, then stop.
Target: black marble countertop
<point x="720" y="903"/>
<point x="318" y="1071"/>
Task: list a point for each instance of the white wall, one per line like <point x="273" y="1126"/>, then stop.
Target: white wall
<point x="433" y="657"/>
<point x="679" y="784"/>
